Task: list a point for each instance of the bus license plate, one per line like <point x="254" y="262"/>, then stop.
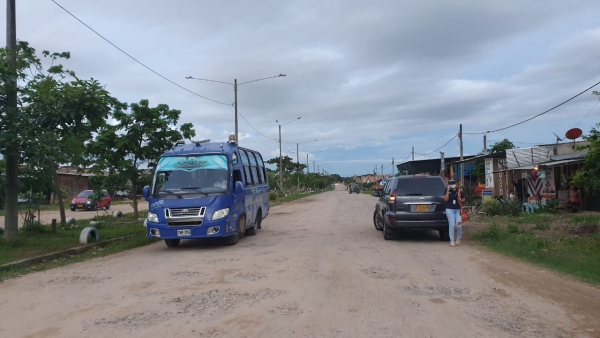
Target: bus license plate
<point x="186" y="232"/>
<point x="422" y="207"/>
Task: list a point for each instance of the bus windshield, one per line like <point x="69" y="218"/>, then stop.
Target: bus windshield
<point x="195" y="174"/>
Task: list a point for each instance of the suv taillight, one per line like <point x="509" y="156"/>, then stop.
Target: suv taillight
<point x="393" y="196"/>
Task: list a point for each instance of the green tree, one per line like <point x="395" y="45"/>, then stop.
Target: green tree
<point x="479" y="171"/>
<point x="139" y="137"/>
<point x="588" y="177"/>
<point x="61" y="112"/>
<point x="58" y="112"/>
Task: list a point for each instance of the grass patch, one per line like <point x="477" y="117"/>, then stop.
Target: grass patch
<point x="55" y="207"/>
<point x="38" y="240"/>
<point x="565" y="243"/>
<point x="292" y="197"/>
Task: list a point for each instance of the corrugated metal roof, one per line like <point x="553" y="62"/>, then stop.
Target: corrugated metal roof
<point x="522" y="157"/>
<point x="577" y="155"/>
<point x="563" y="162"/>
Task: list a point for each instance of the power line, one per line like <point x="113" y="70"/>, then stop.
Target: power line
<point x="256" y="130"/>
<point x="440" y="148"/>
<point x="538" y="115"/>
<point x="584" y="116"/>
<point x="139" y="62"/>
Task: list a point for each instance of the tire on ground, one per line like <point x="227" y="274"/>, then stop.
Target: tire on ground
<point x="88" y="232"/>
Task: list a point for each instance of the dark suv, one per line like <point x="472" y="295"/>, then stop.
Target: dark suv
<point x="354" y="188"/>
<point x="412" y="203"/>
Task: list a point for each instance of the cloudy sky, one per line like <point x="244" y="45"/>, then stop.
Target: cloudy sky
<point x="369" y="79"/>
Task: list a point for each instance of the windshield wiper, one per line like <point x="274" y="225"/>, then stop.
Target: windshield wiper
<point x="413" y="194"/>
<point x="196" y="189"/>
<point x="168" y="192"/>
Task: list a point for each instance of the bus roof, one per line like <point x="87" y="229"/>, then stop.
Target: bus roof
<point x="202" y="148"/>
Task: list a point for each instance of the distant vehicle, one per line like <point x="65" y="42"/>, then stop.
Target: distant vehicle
<point x="354" y="188"/>
<point x="412" y="203"/>
<point x="85" y="201"/>
<point x="207" y="190"/>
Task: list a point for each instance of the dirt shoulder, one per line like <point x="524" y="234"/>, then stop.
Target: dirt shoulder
<point x="317" y="269"/>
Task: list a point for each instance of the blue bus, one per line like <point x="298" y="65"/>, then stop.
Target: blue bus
<point x="207" y="189"/>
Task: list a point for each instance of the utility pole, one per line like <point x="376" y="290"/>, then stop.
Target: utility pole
<point x="393" y="169"/>
<point x="298" y="163"/>
<point x="382" y="170"/>
<point x="413" y="153"/>
<point x="236" y="115"/>
<point x="462" y="164"/>
<point x="280" y="161"/>
<point x="314" y="166"/>
<point x="307" y="167"/>
<point x="11" y="218"/>
<point x="485" y="143"/>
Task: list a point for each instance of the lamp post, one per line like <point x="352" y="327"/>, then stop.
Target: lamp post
<point x="280" y="158"/>
<point x="235" y="85"/>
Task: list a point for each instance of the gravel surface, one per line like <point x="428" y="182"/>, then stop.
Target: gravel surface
<point x="318" y="268"/>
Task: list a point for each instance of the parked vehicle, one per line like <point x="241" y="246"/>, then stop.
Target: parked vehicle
<point x="85" y="201"/>
<point x="412" y="203"/>
<point x="207" y="190"/>
<point x="354" y="188"/>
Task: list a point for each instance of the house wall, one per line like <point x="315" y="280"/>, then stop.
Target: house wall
<point x="75" y="183"/>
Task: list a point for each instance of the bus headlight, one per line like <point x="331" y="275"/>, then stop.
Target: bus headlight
<point x="220" y="214"/>
<point x="152" y="217"/>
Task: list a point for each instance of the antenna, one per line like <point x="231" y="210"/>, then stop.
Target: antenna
<point x="558" y="138"/>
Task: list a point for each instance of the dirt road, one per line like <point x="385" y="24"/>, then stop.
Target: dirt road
<point x="317" y="269"/>
<point x="47" y="216"/>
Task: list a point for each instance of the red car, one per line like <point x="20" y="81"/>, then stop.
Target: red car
<point x="85" y="201"/>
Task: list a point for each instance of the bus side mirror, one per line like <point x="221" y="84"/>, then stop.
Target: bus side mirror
<point x="147" y="192"/>
<point x="239" y="187"/>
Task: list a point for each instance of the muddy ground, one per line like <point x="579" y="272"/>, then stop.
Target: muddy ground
<point x="317" y="269"/>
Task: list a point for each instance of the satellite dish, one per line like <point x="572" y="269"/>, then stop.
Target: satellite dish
<point x="573" y="134"/>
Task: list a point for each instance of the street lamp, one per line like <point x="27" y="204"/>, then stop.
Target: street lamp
<point x="235" y="84"/>
<point x="280" y="159"/>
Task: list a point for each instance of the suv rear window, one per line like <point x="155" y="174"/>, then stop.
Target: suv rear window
<point x="420" y="187"/>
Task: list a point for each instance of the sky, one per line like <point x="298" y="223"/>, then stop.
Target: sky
<point x="370" y="80"/>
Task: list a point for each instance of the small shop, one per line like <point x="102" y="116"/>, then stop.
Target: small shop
<point x="561" y="169"/>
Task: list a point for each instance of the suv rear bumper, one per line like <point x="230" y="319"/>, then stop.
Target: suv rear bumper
<point x="399" y="224"/>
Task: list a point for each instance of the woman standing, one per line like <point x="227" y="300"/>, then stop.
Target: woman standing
<point x="454" y="197"/>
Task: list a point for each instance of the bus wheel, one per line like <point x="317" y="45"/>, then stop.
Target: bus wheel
<point x="242" y="225"/>
<point x="252" y="231"/>
<point x="232" y="240"/>
<point x="171" y="243"/>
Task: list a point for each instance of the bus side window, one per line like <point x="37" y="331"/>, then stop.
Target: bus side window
<point x="249" y="181"/>
<point x="237" y="176"/>
<point x="255" y="176"/>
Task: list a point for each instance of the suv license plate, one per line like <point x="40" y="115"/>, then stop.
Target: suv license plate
<point x="422" y="207"/>
<point x="186" y="232"/>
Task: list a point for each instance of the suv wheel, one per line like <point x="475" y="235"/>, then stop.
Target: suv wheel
<point x="444" y="235"/>
<point x="377" y="222"/>
<point x="387" y="234"/>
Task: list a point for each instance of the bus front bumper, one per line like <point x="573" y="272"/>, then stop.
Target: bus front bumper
<point x="210" y="229"/>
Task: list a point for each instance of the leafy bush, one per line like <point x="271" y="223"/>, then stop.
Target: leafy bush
<point x="493" y="233"/>
<point x="272" y="196"/>
<point x="513" y="208"/>
<point x="512" y="229"/>
<point x="550" y="207"/>
<point x="492" y="208"/>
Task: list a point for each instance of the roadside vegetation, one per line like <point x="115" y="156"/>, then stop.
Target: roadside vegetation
<point x="568" y="243"/>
